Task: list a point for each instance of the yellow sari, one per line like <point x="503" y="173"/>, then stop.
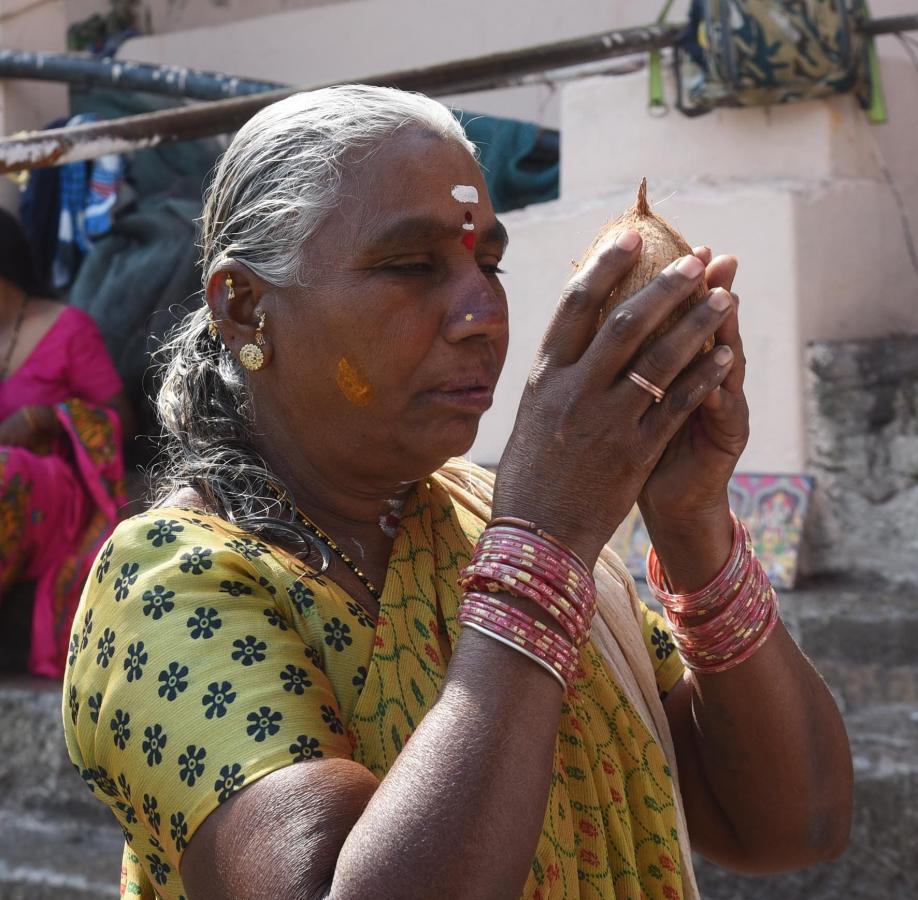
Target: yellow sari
<point x="247" y="666"/>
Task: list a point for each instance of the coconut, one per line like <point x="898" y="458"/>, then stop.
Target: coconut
<point x="662" y="245"/>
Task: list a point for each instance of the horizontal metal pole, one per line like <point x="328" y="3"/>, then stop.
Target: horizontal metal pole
<point x="80" y="142"/>
<point x="890" y="25"/>
<point x="86" y="71"/>
<point x="244" y="97"/>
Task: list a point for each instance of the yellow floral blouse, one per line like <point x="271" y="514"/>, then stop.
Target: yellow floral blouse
<point x="202" y="659"/>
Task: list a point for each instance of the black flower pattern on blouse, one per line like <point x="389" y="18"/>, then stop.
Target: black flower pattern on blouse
<point x="173" y="680"/>
<point x="264" y="723"/>
<point x="119" y="725"/>
<point x="337" y="634"/>
<point x="230" y="780"/>
<point x="94" y="703"/>
<point x="294" y="679"/>
<point x="106" y="647"/>
<point x="74" y="648"/>
<point x="179" y="830"/>
<point x="126" y="580"/>
<point x="330" y="718"/>
<point x="87" y="630"/>
<point x="234" y="588"/>
<point x="360" y="679"/>
<point x="663" y="643"/>
<point x="247" y="547"/>
<point x="360" y="614"/>
<point x="126" y="810"/>
<point x="135" y="660"/>
<point x="159" y="869"/>
<point x="151" y="811"/>
<point x="164" y="531"/>
<point x="217" y="698"/>
<point x="301" y="597"/>
<point x="105" y="560"/>
<point x="74" y="704"/>
<point x="153" y="744"/>
<point x="249" y="651"/>
<point x="191" y="764"/>
<point x="204" y="622"/>
<point x="274" y="619"/>
<point x="158" y="602"/>
<point x="196" y="562"/>
<point x="305" y="748"/>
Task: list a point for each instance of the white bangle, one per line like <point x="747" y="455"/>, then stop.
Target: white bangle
<point x="543" y="663"/>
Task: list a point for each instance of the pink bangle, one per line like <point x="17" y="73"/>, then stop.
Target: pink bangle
<point x="508" y="559"/>
<point x="725" y="622"/>
<point x="512" y="626"/>
<point x="707" y="599"/>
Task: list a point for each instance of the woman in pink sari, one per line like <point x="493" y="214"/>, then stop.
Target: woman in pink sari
<point x="61" y="466"/>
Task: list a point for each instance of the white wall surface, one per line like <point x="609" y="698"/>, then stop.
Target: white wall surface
<point x="25" y="105"/>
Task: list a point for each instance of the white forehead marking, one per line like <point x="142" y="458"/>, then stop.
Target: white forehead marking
<point x="465" y="193"/>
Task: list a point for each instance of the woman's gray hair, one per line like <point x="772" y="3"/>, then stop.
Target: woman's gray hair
<point x="278" y="180"/>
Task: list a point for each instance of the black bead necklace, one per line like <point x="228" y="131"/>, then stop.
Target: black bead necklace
<point x="322" y="536"/>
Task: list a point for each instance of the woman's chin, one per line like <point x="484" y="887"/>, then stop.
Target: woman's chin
<point x="454" y="438"/>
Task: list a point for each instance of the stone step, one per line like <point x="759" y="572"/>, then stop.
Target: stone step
<point x="43" y="859"/>
<point x="861" y="638"/>
<point x="36" y="775"/>
<point x="882" y="858"/>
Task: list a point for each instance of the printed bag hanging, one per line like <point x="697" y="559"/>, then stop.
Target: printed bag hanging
<point x="762" y="52"/>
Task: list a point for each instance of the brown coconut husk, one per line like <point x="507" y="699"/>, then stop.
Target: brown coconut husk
<point x="662" y="244"/>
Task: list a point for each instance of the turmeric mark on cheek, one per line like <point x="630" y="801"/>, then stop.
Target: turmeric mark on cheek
<point x="349" y="382"/>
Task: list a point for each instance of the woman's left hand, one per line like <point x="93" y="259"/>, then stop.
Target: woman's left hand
<point x="689" y="483"/>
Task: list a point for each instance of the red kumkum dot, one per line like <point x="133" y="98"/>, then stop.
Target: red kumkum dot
<point x="468" y="240"/>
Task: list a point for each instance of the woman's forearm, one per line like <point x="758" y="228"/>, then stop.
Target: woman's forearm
<point x="767" y="735"/>
<point x="460" y="812"/>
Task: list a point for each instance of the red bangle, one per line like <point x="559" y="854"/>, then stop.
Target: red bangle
<point x="523" y="564"/>
<point x="511" y="626"/>
<point x="725" y="622"/>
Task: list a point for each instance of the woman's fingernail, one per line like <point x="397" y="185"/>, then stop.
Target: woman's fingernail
<point x="723" y="355"/>
<point x="720" y="300"/>
<point x="690" y="266"/>
<point x="628" y="240"/>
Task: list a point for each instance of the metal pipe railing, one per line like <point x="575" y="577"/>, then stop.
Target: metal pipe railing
<point x="242" y="98"/>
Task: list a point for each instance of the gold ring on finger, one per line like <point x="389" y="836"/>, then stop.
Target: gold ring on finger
<point x="657" y="393"/>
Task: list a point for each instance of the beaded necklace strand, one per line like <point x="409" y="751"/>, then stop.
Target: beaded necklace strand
<point x="322" y="536"/>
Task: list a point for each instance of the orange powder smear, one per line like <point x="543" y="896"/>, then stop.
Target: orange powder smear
<point x="351" y="384"/>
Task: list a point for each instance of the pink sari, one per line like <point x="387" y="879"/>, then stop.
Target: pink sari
<point x="58" y="507"/>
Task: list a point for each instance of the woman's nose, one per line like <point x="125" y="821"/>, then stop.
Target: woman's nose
<point x="478" y="311"/>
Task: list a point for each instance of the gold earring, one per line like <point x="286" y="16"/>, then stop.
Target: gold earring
<point x="212" y="328"/>
<point x="251" y="355"/>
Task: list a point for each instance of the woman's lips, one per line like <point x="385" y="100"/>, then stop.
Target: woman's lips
<point x="474" y="398"/>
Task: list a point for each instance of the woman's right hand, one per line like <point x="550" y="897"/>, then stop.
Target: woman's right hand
<point x="586" y="437"/>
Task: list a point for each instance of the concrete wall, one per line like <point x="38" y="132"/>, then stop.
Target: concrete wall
<point x="24" y="105"/>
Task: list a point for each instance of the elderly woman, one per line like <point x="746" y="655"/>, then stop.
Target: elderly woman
<point x="277" y="682"/>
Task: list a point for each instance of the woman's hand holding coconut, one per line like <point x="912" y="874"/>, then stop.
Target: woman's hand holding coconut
<point x="586" y="436"/>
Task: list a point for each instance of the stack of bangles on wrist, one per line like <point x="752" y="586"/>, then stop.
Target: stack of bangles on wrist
<point x="515" y="557"/>
<point x="725" y="622"/>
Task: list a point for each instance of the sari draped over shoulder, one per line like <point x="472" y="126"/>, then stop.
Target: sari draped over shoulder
<point x="262" y="665"/>
<point x="614" y="824"/>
